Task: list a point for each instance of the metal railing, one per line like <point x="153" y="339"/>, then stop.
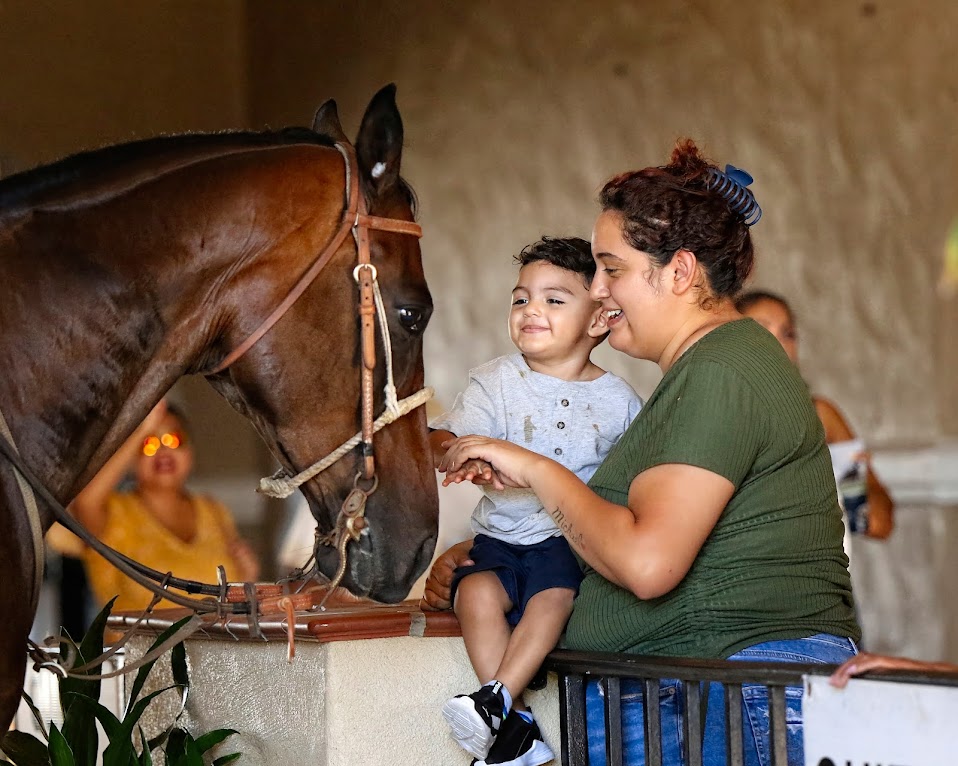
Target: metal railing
<point x="576" y="669"/>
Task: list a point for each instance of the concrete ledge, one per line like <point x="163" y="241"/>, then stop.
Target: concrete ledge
<point x="366" y="687"/>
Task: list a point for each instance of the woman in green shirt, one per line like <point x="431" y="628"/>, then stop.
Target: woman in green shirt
<point x="712" y="529"/>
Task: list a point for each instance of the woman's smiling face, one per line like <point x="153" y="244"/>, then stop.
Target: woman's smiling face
<point x="629" y="287"/>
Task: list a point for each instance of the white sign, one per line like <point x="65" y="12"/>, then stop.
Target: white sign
<point x="879" y="723"/>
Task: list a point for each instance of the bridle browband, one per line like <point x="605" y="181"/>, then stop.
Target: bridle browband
<point x="247" y="598"/>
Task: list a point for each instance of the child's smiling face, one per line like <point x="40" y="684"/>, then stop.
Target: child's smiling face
<point x="551" y="313"/>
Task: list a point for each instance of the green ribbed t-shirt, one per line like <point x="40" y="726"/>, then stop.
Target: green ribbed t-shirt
<point x="773" y="567"/>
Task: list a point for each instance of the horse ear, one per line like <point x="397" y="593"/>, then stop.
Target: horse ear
<point x="379" y="144"/>
<point x="326" y="121"/>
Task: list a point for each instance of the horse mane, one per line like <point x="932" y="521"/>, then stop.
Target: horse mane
<point x="22" y="187"/>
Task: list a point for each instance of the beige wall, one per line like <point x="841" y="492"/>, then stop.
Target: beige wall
<point x="516" y="113"/>
<point x="79" y="75"/>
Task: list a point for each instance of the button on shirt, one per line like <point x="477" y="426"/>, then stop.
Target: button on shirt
<point x="573" y="422"/>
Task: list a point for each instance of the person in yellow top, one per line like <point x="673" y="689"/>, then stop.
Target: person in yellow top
<point x="159" y="523"/>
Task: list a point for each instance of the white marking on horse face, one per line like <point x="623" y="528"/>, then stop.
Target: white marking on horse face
<point x="378" y="169"/>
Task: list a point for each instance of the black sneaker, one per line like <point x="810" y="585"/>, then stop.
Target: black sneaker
<point x="475" y="718"/>
<point x="519" y="743"/>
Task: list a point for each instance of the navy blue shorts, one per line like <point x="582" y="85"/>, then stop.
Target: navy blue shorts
<point x="523" y="570"/>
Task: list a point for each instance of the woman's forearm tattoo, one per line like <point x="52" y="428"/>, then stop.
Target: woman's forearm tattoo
<point x="566" y="527"/>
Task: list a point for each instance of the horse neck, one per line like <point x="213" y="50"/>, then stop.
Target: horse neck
<point x="101" y="337"/>
<point x="129" y="301"/>
<point x="85" y="351"/>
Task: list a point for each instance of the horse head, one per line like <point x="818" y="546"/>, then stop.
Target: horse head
<point x="300" y="382"/>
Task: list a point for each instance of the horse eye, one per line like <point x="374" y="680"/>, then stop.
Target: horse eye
<point x="413" y="319"/>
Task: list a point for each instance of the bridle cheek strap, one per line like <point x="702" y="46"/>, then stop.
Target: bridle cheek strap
<point x="355" y="219"/>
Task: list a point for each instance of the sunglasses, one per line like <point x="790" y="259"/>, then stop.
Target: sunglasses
<point x="152" y="444"/>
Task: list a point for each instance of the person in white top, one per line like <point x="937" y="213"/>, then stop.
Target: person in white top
<point x="514" y="595"/>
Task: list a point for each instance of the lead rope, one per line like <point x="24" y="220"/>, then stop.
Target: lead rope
<point x="280" y="484"/>
<point x="33" y="514"/>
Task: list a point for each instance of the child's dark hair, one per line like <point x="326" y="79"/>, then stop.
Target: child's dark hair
<point x="569" y="253"/>
<point x="674" y="207"/>
<point x="745" y="301"/>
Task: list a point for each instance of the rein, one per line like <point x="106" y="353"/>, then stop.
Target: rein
<point x="230" y="598"/>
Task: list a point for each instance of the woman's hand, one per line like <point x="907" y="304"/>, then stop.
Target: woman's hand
<point x="865" y="662"/>
<point x="437" y="593"/>
<point x="152" y="420"/>
<point x="512" y="466"/>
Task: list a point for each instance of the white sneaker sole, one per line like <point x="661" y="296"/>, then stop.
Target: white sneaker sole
<point x="467" y="726"/>
<point x="537" y="755"/>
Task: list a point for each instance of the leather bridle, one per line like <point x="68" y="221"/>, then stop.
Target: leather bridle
<point x="356" y="220"/>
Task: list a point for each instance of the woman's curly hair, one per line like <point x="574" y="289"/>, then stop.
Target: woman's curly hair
<point x="669" y="208"/>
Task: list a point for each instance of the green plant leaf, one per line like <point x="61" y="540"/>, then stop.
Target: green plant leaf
<point x="146" y="757"/>
<point x="25" y="749"/>
<point x="79" y="729"/>
<point x="90" y="647"/>
<point x="36" y="714"/>
<point x="144" y="671"/>
<point x="181" y="675"/>
<point x="110" y="723"/>
<point x="193" y="755"/>
<point x="224" y="759"/>
<point x="213" y="738"/>
<point x="176" y="746"/>
<point x="120" y="750"/>
<point x="60" y="752"/>
<point x="160" y="738"/>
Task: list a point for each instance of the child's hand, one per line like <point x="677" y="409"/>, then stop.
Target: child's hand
<point x="477" y="471"/>
<point x="511" y="465"/>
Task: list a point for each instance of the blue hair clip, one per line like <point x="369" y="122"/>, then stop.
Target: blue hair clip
<point x="732" y="185"/>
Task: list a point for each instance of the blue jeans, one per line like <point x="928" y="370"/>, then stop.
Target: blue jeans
<point x="821" y="648"/>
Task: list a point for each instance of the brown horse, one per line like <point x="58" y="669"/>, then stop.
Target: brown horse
<point x="124" y="268"/>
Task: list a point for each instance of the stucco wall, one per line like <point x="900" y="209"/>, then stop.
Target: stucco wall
<point x="516" y="113"/>
<point x="81" y="75"/>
